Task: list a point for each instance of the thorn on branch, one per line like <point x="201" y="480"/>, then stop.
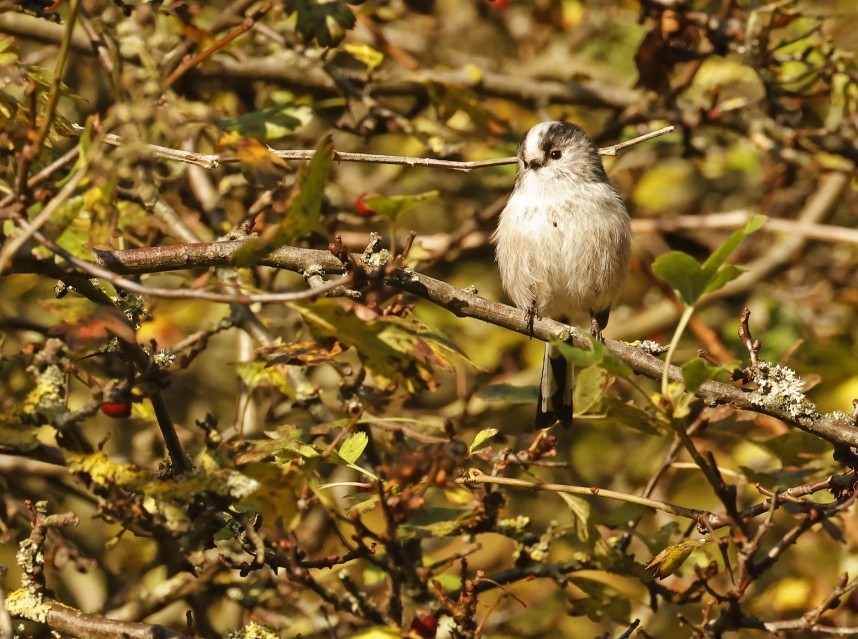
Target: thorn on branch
<point x="400" y="259"/>
<point x="752" y="345"/>
<point x="709" y="357"/>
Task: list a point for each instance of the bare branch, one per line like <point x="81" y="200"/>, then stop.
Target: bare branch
<point x="213" y="160"/>
<point x="836" y="427"/>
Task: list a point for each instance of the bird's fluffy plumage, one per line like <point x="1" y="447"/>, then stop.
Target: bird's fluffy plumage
<point x="563" y="240"/>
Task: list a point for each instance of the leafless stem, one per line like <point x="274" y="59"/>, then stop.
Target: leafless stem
<point x="213" y="160"/>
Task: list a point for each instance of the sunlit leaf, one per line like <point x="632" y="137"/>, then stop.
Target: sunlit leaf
<point x="669" y="560"/>
<point x="365" y="53"/>
<point x="271" y="123"/>
<point x="353" y="447"/>
<point x="580" y="357"/>
<point x="690" y="279"/>
<point x="396" y="351"/>
<point x="303" y="208"/>
<point x="307" y="353"/>
<point x="481" y="438"/>
<point x="608" y="359"/>
<point x="257" y="374"/>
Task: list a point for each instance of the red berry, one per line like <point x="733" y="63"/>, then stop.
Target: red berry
<point x="424" y="624"/>
<point x="117" y="410"/>
<point x="361" y="206"/>
<point x="500" y="5"/>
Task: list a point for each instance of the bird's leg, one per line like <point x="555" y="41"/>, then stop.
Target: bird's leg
<point x="532" y="314"/>
<point x="598" y="321"/>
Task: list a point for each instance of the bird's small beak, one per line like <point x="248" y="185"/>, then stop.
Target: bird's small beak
<point x="533" y="164"/>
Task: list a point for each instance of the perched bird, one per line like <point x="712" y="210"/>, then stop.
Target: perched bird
<point x="563" y="246"/>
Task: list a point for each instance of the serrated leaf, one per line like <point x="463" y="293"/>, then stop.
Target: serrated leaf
<point x="303" y="208"/>
<point x="483" y="436"/>
<point x="395" y="350"/>
<point x="322" y="20"/>
<point x="353" y="447"/>
<point x="392" y="206"/>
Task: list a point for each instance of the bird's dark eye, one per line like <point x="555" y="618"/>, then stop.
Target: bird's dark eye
<point x="555" y="154"/>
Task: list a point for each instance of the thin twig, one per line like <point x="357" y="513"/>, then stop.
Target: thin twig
<point x="192" y="61"/>
<point x="214" y="160"/>
<point x="94" y="270"/>
<point x="737" y="219"/>
<point x="476" y="477"/>
<point x="835" y="427"/>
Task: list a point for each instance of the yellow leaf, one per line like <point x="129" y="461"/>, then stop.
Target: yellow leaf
<point x="669" y="560"/>
<point x="366" y="54"/>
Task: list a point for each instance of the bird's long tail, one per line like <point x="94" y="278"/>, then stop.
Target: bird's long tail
<point x="555" y="390"/>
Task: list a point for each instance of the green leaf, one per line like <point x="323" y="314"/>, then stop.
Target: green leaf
<point x="353" y="447"/>
<point x="669" y="560"/>
<point x="589" y="388"/>
<point x="626" y="513"/>
<point x="396" y="351"/>
<point x="607" y="359"/>
<point x="795" y="448"/>
<point x="483" y="436"/>
<point x="580" y="357"/>
<point x="690" y="279"/>
<point x="580" y="510"/>
<point x="271" y="123"/>
<point x="728" y="273"/>
<point x="322" y="20"/>
<point x="697" y="372"/>
<point x="507" y="393"/>
<point x="683" y="273"/>
<point x="630" y="416"/>
<point x="303" y="208"/>
<point x="720" y="255"/>
<point x="603" y="601"/>
<point x="392" y="206"/>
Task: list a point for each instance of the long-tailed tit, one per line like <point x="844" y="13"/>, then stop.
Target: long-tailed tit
<point x="563" y="246"/>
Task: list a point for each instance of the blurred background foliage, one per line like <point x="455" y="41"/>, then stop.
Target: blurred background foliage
<point x="323" y="439"/>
